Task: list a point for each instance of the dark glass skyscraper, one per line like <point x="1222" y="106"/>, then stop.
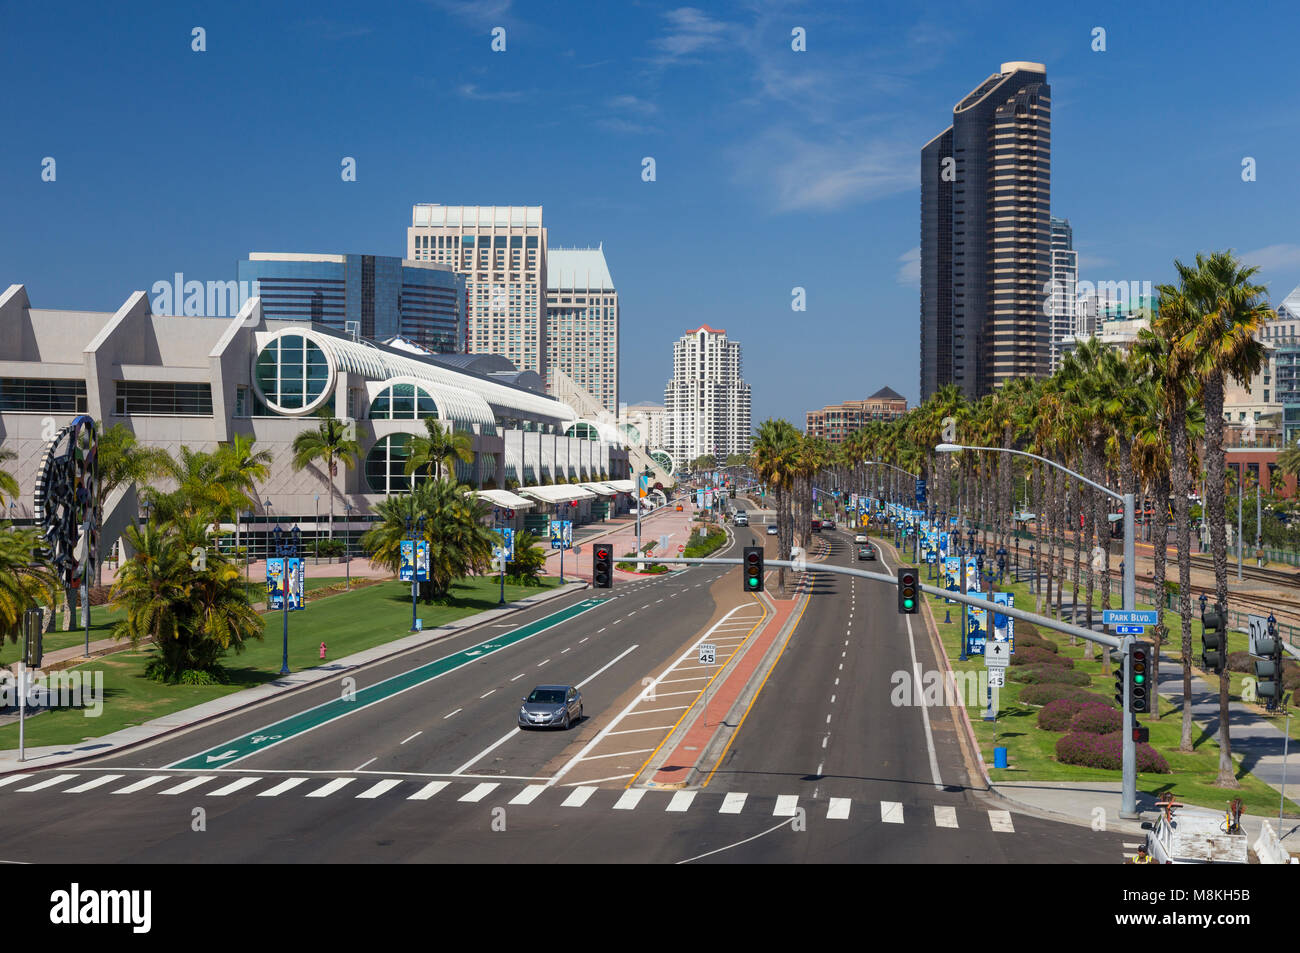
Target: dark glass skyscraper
<point x="380" y="295"/>
<point x="986" y="237"/>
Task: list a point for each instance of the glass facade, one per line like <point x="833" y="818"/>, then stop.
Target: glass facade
<point x="402" y="402"/>
<point x="37" y="395"/>
<point x="385" y="466"/>
<point x="292" y="372"/>
<point x="163" y="399"/>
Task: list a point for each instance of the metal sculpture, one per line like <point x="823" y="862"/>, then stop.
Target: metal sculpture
<point x="67" y="502"/>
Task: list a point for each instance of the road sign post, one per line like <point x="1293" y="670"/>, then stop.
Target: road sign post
<point x="708" y="656"/>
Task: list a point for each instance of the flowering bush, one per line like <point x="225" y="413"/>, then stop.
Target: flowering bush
<point x="1059" y="715"/>
<point x="1032" y="655"/>
<point x="1097" y="720"/>
<point x="1048" y="693"/>
<point x="1105" y="751"/>
<point x="1035" y="674"/>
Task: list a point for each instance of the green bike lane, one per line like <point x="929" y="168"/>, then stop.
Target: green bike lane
<point x="286" y="729"/>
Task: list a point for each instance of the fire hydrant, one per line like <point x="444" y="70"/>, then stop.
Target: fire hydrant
<point x="322" y="651"/>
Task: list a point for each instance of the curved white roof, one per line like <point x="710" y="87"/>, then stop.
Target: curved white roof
<point x="376" y="365"/>
<point x="453" y="403"/>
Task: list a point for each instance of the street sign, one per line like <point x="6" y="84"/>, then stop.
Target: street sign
<point x="1130" y="629"/>
<point x="708" y="651"/>
<point x="996" y="654"/>
<point x="681" y="548"/>
<point x="1129" y="617"/>
<point x="997" y="677"/>
<point x="1257" y="625"/>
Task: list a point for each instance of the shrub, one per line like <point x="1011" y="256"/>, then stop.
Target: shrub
<point x="1036" y="674"/>
<point x="331" y="547"/>
<point x="1059" y="715"/>
<point x="1053" y="691"/>
<point x="1097" y="720"/>
<point x="1290" y="676"/>
<point x="1029" y="655"/>
<point x="1105" y="751"/>
<point x="1241" y="662"/>
<point x="1034" y="642"/>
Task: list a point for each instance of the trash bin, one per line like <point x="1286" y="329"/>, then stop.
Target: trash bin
<point x="1000" y="757"/>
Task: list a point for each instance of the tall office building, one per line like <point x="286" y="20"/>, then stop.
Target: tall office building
<point x="986" y="237"/>
<point x="707" y="401"/>
<point x="501" y="251"/>
<point x="377" y="296"/>
<point x="582" y="322"/>
<point x="1063" y="299"/>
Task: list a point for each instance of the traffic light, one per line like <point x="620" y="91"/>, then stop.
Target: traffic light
<point x="602" y="574"/>
<point x="908" y="597"/>
<point x="1119" y="685"/>
<point x="1140" y="733"/>
<point x="1268" y="670"/>
<point x="753" y="568"/>
<point x="1212" y="641"/>
<point x="1139" y="676"/>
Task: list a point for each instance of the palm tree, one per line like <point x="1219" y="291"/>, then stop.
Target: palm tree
<point x="773" y="455"/>
<point x="440" y="448"/>
<point x="1223" y="342"/>
<point x="241" y="467"/>
<point x="330" y="443"/>
<point x="8" y="484"/>
<point x="24" y="582"/>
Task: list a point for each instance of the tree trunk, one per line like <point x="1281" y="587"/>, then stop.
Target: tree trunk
<point x="1214" y="488"/>
<point x="1181" y="479"/>
<point x="1159" y="540"/>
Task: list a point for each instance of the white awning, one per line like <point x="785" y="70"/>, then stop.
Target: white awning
<point x="600" y="489"/>
<point x="560" y="493"/>
<point x="622" y="486"/>
<point x="505" y="499"/>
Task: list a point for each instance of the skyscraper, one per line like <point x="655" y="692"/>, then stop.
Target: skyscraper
<point x="378" y="296"/>
<point x="707" y="401"/>
<point x="1063" y="302"/>
<point x="582" y="321"/>
<point x="501" y="251"/>
<point x="986" y="237"/>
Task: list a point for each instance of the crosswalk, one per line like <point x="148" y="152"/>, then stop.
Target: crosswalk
<point x="217" y="785"/>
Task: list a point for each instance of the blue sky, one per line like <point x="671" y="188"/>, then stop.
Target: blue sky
<point x="775" y="169"/>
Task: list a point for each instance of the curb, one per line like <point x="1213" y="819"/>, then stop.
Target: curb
<point x="316" y="676"/>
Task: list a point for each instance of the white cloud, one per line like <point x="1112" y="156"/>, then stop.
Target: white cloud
<point x="691" y="31"/>
<point x="631" y="104"/>
<point x="909" y="273"/>
<point x="1273" y="257"/>
<point x="798" y="173"/>
<point x="478" y="11"/>
<point x="470" y="91"/>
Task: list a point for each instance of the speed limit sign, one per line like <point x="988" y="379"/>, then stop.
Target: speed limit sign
<point x="708" y="652"/>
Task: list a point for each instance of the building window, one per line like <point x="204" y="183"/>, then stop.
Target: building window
<point x="163" y="399"/>
<point x="38" y="395"/>
<point x="385" y="466"/>
<point x="292" y="372"/>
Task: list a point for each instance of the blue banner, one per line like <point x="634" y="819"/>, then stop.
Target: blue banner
<point x="952" y="575"/>
<point x="1004" y="627"/>
<point x="977" y="625"/>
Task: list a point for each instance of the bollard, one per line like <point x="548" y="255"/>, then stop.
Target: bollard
<point x="999" y="757"/>
<point x="947" y="618"/>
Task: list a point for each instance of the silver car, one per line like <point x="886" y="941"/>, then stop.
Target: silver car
<point x="551" y="706"/>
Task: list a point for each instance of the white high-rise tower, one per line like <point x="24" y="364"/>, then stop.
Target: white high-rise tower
<point x="707" y="402"/>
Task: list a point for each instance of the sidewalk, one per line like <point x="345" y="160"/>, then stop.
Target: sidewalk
<point x="621" y="537"/>
<point x="52" y="755"/>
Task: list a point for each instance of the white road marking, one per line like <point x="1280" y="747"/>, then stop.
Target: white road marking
<point x="449" y="714"/>
<point x="826" y="739"/>
<point x="580" y="641"/>
<point x="828" y="719"/>
<point x="578" y="797"/>
<point x="629" y="799"/>
<point x="383" y="787"/>
<point x="20" y="777"/>
<point x="360" y="766"/>
<point x="282" y="787"/>
<point x="428" y="791"/>
<point x="891" y="812"/>
<point x="413" y="737"/>
<point x="88" y="786"/>
<point x="651" y="711"/>
<point x="1001" y="821"/>
<point x="515" y="679"/>
<point x="528" y="795"/>
<point x="681" y="801"/>
<point x="48" y="782"/>
<point x="479" y="792"/>
<point x="632" y="731"/>
<point x="945" y="816"/>
<point x="145" y="783"/>
<point x="562" y="651"/>
<point x="543" y="662"/>
<point x="832" y="699"/>
<point x="786" y="805"/>
<point x="619" y="754"/>
<point x="692" y="678"/>
<point x="330" y="787"/>
<point x="666" y="694"/>
<point x="837" y="681"/>
<point x="233" y="786"/>
<point x="838" y="809"/>
<point x="733" y="803"/>
<point x="616" y="777"/>
<point x="189" y="785"/>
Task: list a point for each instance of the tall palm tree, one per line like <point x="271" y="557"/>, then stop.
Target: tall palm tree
<point x="329" y="443"/>
<point x="1224" y="342"/>
<point x="441" y="447"/>
<point x="773" y="453"/>
<point x="24" y="582"/>
<point x="241" y="468"/>
<point x="8" y="484"/>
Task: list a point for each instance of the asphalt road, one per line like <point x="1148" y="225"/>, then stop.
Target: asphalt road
<point x="820" y="771"/>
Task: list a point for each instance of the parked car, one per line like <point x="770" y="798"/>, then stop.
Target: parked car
<point x="551" y="706"/>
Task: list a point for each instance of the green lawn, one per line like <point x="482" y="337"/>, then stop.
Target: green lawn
<point x="1031" y="750"/>
<point x="347" y="623"/>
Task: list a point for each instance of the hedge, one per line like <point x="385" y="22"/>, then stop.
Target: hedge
<point x="1029" y="655"/>
<point x="1105" y="751"/>
<point x="1050" y="692"/>
<point x="1097" y="720"/>
<point x="1059" y="715"/>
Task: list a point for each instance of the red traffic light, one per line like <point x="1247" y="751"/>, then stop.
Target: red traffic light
<point x="602" y="553"/>
<point x="573" y="502"/>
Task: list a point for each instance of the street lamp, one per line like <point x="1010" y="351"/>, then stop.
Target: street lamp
<point x="315" y="530"/>
<point x="286" y="547"/>
<point x="1033" y="570"/>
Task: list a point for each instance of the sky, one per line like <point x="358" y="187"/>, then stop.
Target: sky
<point x="775" y="169"/>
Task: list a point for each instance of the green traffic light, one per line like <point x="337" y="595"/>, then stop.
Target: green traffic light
<point x="1139" y="679"/>
<point x="907" y="603"/>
